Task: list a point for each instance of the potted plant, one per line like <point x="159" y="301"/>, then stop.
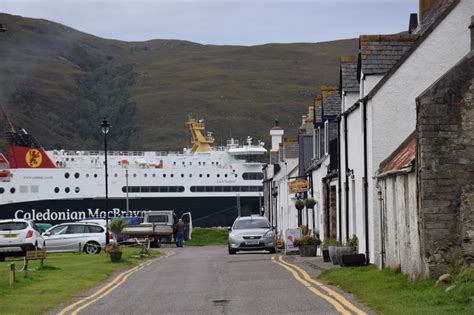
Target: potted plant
<point x="342" y="250"/>
<point x="310" y="203"/>
<point x="327" y="244"/>
<point x="115" y="249"/>
<point x="307" y="246"/>
<point x="299" y="204"/>
<point x="353" y="258"/>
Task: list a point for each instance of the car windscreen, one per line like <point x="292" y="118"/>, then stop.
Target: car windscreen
<point x="13" y="226"/>
<point x="251" y="224"/>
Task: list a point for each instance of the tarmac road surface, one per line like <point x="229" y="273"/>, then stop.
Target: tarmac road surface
<point x="207" y="280"/>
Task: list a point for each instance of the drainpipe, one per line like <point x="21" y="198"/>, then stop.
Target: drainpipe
<point x="366" y="184"/>
<point x="339" y="187"/>
<point x="382" y="224"/>
<point x="346" y="185"/>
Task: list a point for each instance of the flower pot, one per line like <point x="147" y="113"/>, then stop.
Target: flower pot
<point x="326" y="255"/>
<point x="307" y="250"/>
<point x="115" y="256"/>
<point x="343" y="250"/>
<point x="332" y="254"/>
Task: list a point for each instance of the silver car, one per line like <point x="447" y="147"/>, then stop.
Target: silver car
<point x="251" y="233"/>
<point x="74" y="237"/>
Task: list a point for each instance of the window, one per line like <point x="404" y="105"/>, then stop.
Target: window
<point x="2" y="190"/>
<point x="226" y="188"/>
<point x="77" y="189"/>
<point x="164" y="175"/>
<point x="95" y="229"/>
<point x="76" y="229"/>
<point x="23" y="189"/>
<point x="12" y="190"/>
<point x="66" y="175"/>
<point x="95" y="175"/>
<point x="152" y="189"/>
<point x="67" y="189"/>
<point x="145" y="175"/>
<point x="56" y="190"/>
<point x="76" y="175"/>
<point x="252" y="176"/>
<point x="59" y="230"/>
<point x="13" y="226"/>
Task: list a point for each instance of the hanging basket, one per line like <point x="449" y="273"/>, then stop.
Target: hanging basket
<point x="299" y="204"/>
<point x="310" y="203"/>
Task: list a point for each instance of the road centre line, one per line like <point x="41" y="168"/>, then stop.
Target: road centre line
<point x="331" y="292"/>
<point x="115" y="283"/>
<point x="329" y="299"/>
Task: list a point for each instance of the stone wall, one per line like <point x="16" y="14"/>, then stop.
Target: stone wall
<point x="445" y="169"/>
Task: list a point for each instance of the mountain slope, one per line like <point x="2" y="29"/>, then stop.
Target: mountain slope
<point x="58" y="83"/>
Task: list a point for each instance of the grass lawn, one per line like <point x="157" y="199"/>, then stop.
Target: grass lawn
<point x="63" y="276"/>
<point x="208" y="236"/>
<point x="386" y="292"/>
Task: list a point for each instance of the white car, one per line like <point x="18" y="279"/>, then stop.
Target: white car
<point x="17" y="236"/>
<point x="74" y="237"/>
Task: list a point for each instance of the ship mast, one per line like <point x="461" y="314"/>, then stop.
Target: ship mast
<point x="10" y="130"/>
<point x="201" y="143"/>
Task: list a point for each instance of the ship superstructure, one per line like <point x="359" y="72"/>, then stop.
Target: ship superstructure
<point x="60" y="185"/>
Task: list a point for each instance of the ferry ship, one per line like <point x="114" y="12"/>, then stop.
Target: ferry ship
<point x="213" y="183"/>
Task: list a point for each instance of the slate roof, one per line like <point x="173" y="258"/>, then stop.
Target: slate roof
<point x="402" y="157"/>
<point x="331" y="100"/>
<point x="379" y="53"/>
<point x="348" y="75"/>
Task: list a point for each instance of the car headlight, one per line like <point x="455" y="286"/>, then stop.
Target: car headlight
<point x="235" y="236"/>
<point x="269" y="234"/>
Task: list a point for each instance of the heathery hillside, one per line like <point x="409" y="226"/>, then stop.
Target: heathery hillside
<point x="58" y="83"/>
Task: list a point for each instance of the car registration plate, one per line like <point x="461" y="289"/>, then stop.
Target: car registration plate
<point x="251" y="242"/>
<point x="10" y="235"/>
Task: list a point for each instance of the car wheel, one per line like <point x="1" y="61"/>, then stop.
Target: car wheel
<point x="232" y="251"/>
<point x="272" y="250"/>
<point x="92" y="248"/>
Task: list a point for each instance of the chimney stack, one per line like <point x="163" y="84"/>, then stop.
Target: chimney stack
<point x="471" y="27"/>
<point x="277" y="134"/>
<point x="425" y="8"/>
<point x="413" y="24"/>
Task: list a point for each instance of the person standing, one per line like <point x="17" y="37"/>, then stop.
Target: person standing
<point x="180" y="233"/>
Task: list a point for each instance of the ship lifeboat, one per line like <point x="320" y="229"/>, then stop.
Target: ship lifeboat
<point x="4" y="173"/>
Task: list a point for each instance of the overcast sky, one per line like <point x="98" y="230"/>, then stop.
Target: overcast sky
<point x="238" y="22"/>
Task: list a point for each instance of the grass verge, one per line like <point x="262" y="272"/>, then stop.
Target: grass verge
<point x="387" y="292"/>
<point x="62" y="277"/>
<point x="208" y="236"/>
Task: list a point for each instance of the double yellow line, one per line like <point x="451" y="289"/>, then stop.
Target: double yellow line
<point x="76" y="307"/>
<point x="340" y="303"/>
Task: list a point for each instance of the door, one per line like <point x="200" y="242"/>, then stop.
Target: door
<point x="75" y="238"/>
<point x="54" y="238"/>
<point x="188" y="221"/>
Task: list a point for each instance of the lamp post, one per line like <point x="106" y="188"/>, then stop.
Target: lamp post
<point x="105" y="130"/>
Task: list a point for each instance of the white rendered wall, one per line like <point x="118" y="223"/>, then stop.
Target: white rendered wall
<point x="392" y="110"/>
<point x="319" y="196"/>
<point x="286" y="212"/>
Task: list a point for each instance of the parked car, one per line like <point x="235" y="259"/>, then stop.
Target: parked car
<point x="42" y="227"/>
<point x="18" y="236"/>
<point x="72" y="237"/>
<point x="251" y="233"/>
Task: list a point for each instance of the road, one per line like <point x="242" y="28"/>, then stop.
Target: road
<point x="206" y="280"/>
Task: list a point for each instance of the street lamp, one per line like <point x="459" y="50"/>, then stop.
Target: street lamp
<point x="105" y="130"/>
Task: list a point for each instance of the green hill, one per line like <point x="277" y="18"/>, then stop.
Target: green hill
<point x="58" y="83"/>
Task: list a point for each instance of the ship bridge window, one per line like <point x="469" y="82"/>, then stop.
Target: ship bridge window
<point x="251" y="158"/>
<point x="252" y="176"/>
<point x="152" y="189"/>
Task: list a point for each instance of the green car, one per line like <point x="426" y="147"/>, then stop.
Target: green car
<point x="43" y="226"/>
